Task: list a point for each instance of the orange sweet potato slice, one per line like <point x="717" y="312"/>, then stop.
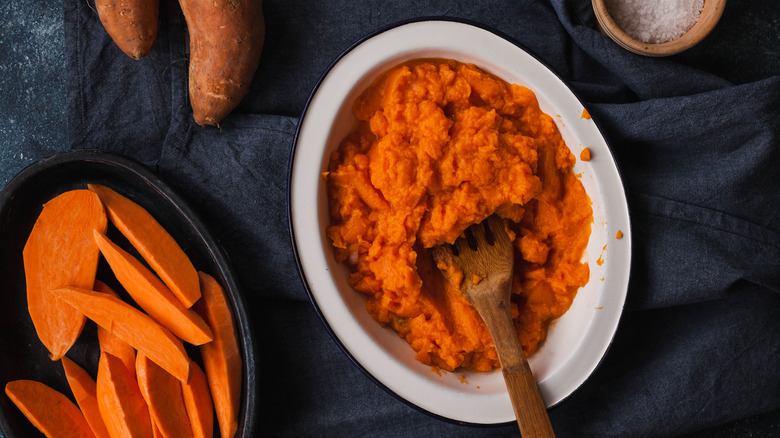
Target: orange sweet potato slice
<point x="119" y="400"/>
<point x="222" y="358"/>
<point x="50" y="411"/>
<point x="85" y="392"/>
<point x="61" y="252"/>
<point x="151" y="294"/>
<point x="155" y="245"/>
<point x="156" y="430"/>
<point x="132" y="326"/>
<point x="163" y="395"/>
<point x="109" y="342"/>
<point x="197" y="399"/>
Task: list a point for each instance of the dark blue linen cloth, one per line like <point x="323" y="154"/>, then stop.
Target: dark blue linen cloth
<point x="699" y="341"/>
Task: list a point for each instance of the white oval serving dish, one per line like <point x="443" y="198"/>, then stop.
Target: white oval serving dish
<point x="576" y="342"/>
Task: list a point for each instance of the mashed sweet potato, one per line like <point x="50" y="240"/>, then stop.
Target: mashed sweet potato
<point x="438" y="146"/>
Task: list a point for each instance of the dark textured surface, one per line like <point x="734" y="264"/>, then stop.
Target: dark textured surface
<point x="32" y="84"/>
<point x="742" y="49"/>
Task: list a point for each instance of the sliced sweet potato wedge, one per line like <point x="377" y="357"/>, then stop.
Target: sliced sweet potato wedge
<point x="156" y="430"/>
<point x="132" y="326"/>
<point x="109" y="342"/>
<point x="222" y="357"/>
<point x="197" y="400"/>
<point x="151" y="294"/>
<point x="155" y="245"/>
<point x="163" y="396"/>
<point x="50" y="411"/>
<point x="84" y="390"/>
<point x="61" y="252"/>
<point x="120" y="402"/>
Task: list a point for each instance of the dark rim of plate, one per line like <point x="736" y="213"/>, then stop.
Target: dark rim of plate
<point x="289" y="203"/>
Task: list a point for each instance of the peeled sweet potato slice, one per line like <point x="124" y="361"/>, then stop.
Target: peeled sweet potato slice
<point x="155" y="245"/>
<point x="156" y="430"/>
<point x="85" y="392"/>
<point x="132" y="326"/>
<point x="109" y="342"/>
<point x="162" y="393"/>
<point x="50" y="411"/>
<point x="197" y="399"/>
<point x="151" y="294"/>
<point x="132" y="24"/>
<point x="123" y="408"/>
<point x="61" y="252"/>
<point x="222" y="357"/>
<point x="226" y="39"/>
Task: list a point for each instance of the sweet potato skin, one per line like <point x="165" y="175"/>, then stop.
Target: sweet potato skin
<point x="226" y="39"/>
<point x="132" y="24"/>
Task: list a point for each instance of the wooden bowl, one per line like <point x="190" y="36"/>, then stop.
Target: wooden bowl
<point x="710" y="14"/>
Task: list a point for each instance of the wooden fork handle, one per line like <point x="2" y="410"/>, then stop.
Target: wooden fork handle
<point x="530" y="410"/>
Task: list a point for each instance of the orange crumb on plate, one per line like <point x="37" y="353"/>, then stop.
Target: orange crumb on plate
<point x="585" y="114"/>
<point x="600" y="260"/>
<point x="619" y="234"/>
<point x="585" y="154"/>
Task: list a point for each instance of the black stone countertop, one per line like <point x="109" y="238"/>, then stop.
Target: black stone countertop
<point x="744" y="47"/>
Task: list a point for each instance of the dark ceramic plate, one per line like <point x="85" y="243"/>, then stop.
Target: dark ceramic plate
<point x="22" y="355"/>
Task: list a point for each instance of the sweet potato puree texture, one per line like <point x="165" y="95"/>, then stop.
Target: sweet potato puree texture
<point x="438" y="146"/>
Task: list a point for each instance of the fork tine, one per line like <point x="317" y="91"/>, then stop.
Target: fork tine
<point x="482" y="242"/>
<point x="498" y="228"/>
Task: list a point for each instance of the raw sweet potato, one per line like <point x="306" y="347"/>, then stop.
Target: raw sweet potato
<point x="132" y="24"/>
<point x="163" y="395"/>
<point x="131" y="326"/>
<point x="151" y="294"/>
<point x="156" y="431"/>
<point x="155" y="245"/>
<point x="109" y="342"/>
<point x="48" y="410"/>
<point x="226" y="38"/>
<point x="197" y="399"/>
<point x="61" y="252"/>
<point x="119" y="399"/>
<point x="84" y="390"/>
<point x="222" y="358"/>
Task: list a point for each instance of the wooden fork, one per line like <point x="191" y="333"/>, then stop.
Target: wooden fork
<point x="485" y="255"/>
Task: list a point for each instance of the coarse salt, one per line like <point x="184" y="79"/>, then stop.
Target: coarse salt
<point x="655" y="21"/>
